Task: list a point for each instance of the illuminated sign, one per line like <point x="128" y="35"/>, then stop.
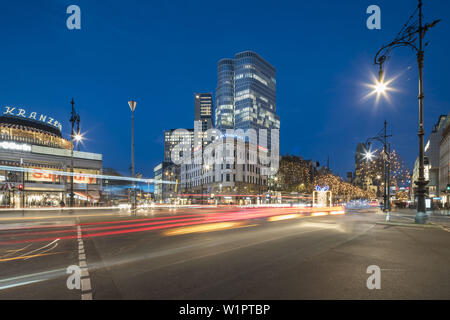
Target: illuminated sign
<point x="15" y="146"/>
<point x="322" y="197"/>
<point x="54" y="177"/>
<point x="320" y="189"/>
<point x="22" y="113"/>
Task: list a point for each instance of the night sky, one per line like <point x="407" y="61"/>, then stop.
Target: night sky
<point x="160" y="52"/>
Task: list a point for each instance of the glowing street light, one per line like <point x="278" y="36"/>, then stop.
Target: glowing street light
<point x="380" y="87"/>
<point x="412" y="35"/>
<point x="369" y="155"/>
<point x="78" y="137"/>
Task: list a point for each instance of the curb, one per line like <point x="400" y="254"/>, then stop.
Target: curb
<point x="413" y="225"/>
<point x="445" y="228"/>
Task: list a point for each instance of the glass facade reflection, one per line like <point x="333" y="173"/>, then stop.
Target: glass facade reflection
<point x="246" y="93"/>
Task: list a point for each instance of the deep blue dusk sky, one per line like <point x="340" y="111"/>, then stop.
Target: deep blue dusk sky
<point x="160" y="52"/>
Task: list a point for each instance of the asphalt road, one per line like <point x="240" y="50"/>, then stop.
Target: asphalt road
<point x="221" y="253"/>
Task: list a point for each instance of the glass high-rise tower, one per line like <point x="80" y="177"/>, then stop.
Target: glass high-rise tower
<point x="225" y="95"/>
<point x="246" y="93"/>
<point x="204" y="110"/>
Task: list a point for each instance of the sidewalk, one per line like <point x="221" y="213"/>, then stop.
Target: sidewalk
<point x="434" y="217"/>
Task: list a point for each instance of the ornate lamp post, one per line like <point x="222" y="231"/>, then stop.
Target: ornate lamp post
<point x="382" y="138"/>
<point x="412" y="31"/>
<point x="74" y="118"/>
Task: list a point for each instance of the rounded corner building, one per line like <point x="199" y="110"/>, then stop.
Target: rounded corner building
<point x="31" y="140"/>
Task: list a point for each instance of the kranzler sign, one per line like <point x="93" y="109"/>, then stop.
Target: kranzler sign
<point x="22" y="113"/>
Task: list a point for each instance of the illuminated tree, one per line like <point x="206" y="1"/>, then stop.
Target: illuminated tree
<point x="293" y="175"/>
<point x="342" y="189"/>
<point x="400" y="174"/>
<point x="402" y="195"/>
<point x="372" y="171"/>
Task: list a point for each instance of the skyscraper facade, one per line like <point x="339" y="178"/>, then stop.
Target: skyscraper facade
<point x="225" y="94"/>
<point x="246" y="93"/>
<point x="204" y="110"/>
<point x="232" y="166"/>
<point x="181" y="138"/>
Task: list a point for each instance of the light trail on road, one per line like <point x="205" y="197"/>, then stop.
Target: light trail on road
<point x="158" y="223"/>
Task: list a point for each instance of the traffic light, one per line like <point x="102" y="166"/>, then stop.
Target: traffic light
<point x="20" y="187"/>
<point x="448" y="187"/>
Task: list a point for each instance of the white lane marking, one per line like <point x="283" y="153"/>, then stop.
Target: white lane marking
<point x="86" y="287"/>
<point x="86" y="284"/>
<point x="84" y="273"/>
<point x="86" y="296"/>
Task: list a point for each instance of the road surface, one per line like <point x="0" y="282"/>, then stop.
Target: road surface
<point x="221" y="253"/>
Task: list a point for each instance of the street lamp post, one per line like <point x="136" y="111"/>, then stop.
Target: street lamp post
<point x="407" y="37"/>
<point x="383" y="138"/>
<point x="74" y="118"/>
<point x="132" y="105"/>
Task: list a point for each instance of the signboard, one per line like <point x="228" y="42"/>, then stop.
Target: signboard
<point x="43" y="177"/>
<point x="22" y="113"/>
<point x="85" y="180"/>
<point x="7" y="145"/>
<point x="51" y="177"/>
